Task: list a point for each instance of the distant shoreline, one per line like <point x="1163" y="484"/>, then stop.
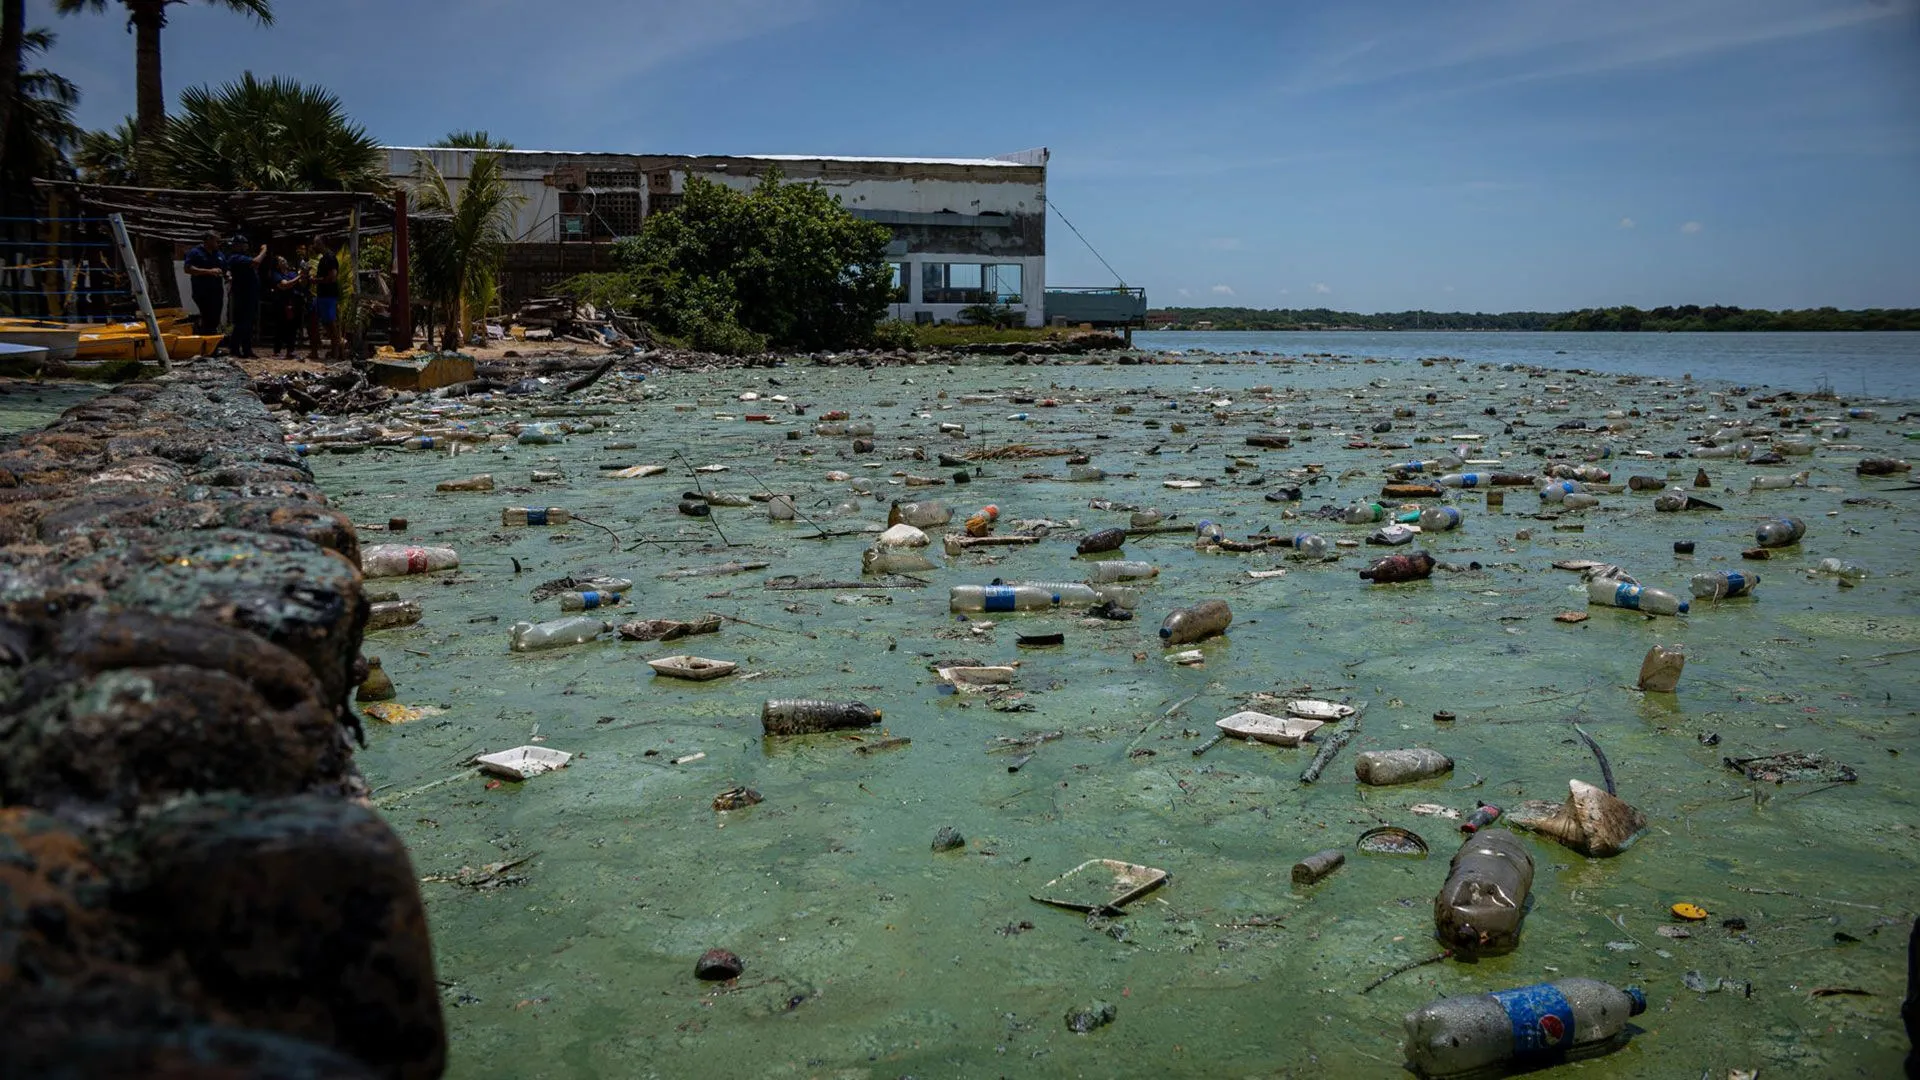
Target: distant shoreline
<point x="1685" y="318"/>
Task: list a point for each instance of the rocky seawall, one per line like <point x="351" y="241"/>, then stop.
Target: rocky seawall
<point x="191" y="882"/>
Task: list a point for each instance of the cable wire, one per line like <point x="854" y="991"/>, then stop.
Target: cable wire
<point x="1096" y="252"/>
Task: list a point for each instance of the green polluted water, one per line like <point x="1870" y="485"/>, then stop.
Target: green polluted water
<point x="28" y="405"/>
<point x="867" y="954"/>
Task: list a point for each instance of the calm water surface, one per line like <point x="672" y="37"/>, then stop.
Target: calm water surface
<point x="1865" y="365"/>
<point x="870" y="956"/>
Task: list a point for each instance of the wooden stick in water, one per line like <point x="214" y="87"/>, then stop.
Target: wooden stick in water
<point x="1327" y="753"/>
<point x="1404" y="968"/>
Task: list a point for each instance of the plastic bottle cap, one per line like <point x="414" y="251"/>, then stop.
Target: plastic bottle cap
<point x="1639" y="999"/>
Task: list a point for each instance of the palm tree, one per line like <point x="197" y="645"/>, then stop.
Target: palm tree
<point x="146" y="18"/>
<point x="272" y="135"/>
<point x="472" y="140"/>
<point x="106" y="157"/>
<point x="42" y="132"/>
<point x="457" y="257"/>
<point x="13" y="29"/>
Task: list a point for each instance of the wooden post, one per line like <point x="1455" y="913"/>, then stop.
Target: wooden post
<point x="138" y="279"/>
<point x="359" y="349"/>
<point x="400" y="320"/>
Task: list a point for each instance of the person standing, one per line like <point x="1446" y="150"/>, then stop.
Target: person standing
<point x="326" y="299"/>
<point x="207" y="273"/>
<point x="288" y="303"/>
<point x="244" y="272"/>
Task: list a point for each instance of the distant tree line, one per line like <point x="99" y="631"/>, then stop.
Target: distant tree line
<point x="1688" y="317"/>
<point x="1239" y="318"/>
<point x="1722" y="317"/>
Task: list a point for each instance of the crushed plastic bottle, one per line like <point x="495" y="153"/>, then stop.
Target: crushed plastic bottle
<point x="1364" y="514"/>
<point x="807" y="716"/>
<point x="1479" y="909"/>
<point x="1474" y="1032"/>
<point x="918" y="514"/>
<point x="1311" y="546"/>
<point x="396" y="560"/>
<point x="1417" y="566"/>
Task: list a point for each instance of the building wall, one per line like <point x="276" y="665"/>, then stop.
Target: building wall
<point x="972" y="212"/>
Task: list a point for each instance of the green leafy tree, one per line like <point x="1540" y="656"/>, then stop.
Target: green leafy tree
<point x="782" y="266"/>
<point x="266" y="135"/>
<point x="41" y="133"/>
<point x="146" y="19"/>
<point x="472" y="140"/>
<point x="460" y="246"/>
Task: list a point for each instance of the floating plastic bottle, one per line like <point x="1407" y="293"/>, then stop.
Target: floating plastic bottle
<point x="1440" y="518"/>
<point x="1483" y="815"/>
<point x="919" y="514"/>
<point x="1579" y="500"/>
<point x="1416" y="566"/>
<point x="1723" y="584"/>
<point x="780" y="508"/>
<point x="1365" y="514"/>
<point x="540" y="434"/>
<point x="1769" y="483"/>
<point x="877" y="560"/>
<point x="423" y="442"/>
<point x="1383" y="768"/>
<point x="534" y="515"/>
<point x="1104" y="540"/>
<point x="1779" y="532"/>
<point x="1207" y="534"/>
<point x="1121" y="570"/>
<point x="1466" y="480"/>
<point x="1559" y="490"/>
<point x="1312" y="546"/>
<point x="1644" y="598"/>
<point x="1202" y="620"/>
<point x="588" y="600"/>
<point x="1067" y="594"/>
<point x="999" y="598"/>
<point x="1849" y="573"/>
<point x="396" y="560"/>
<point x="1479" y="909"/>
<point x="528" y="637"/>
<point x="805" y="716"/>
<point x="1473" y="1032"/>
<point x="1085" y="472"/>
<point x="1142" y="519"/>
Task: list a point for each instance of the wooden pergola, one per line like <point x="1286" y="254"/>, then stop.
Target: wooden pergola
<point x="183" y="217"/>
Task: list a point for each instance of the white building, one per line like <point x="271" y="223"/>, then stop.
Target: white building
<point x="966" y="230"/>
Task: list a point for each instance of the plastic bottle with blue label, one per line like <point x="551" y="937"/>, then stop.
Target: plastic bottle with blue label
<point x="1466" y="480"/>
<point x="534" y="515"/>
<point x="1529" y="1024"/>
<point x="1644" y="598"/>
<point x="1207" y="534"/>
<point x="1559" y="490"/>
<point x="1724" y="584"/>
<point x="1439" y="518"/>
<point x="1000" y="598"/>
<point x="588" y="600"/>
<point x="1779" y="532"/>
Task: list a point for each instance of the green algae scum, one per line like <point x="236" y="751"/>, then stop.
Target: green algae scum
<point x="568" y="910"/>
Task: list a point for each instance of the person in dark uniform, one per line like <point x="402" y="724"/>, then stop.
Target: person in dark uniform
<point x="288" y="302"/>
<point x="243" y="270"/>
<point x="326" y="298"/>
<point x="207" y="273"/>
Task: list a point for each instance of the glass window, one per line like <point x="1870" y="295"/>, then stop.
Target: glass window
<point x="899" y="282"/>
<point x="952" y="283"/>
<point x="1003" y="282"/>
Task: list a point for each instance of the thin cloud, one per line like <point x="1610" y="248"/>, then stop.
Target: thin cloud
<point x="1223" y="290"/>
<point x="1185" y="292"/>
<point x="1321" y="287"/>
<point x="1691" y="227"/>
<point x="1627" y="223"/>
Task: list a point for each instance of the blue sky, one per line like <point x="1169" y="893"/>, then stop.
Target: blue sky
<point x="1371" y="155"/>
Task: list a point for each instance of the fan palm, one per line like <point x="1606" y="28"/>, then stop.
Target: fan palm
<point x="106" y="157"/>
<point x="458" y="252"/>
<point x="271" y="135"/>
<point x="41" y="132"/>
<point x="146" y="18"/>
<point x="472" y="140"/>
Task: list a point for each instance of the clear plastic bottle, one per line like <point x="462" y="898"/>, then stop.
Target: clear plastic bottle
<point x="1479" y="909"/>
<point x="534" y="515"/>
<point x="1312" y="546"/>
<point x="1207" y="533"/>
<point x="1472" y="1032"/>
<point x="1465" y="480"/>
<point x="1579" y="500"/>
<point x="1439" y="518"/>
<point x="1644" y="598"/>
<point x="919" y="514"/>
<point x="999" y="598"/>
<point x="1723" y="584"/>
<point x="1770" y="483"/>
<point x="422" y="442"/>
<point x="806" y="716"/>
<point x="1779" y="532"/>
<point x="780" y="508"/>
<point x="1121" y="570"/>
<point x="1202" y="620"/>
<point x="527" y="637"/>
<point x="1142" y="519"/>
<point x="1365" y="513"/>
<point x="1086" y="472"/>
<point x="540" y="434"/>
<point x="588" y="600"/>
<point x="1848" y="572"/>
<point x="396" y="560"/>
<point x="1067" y="594"/>
<point x="1559" y="490"/>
